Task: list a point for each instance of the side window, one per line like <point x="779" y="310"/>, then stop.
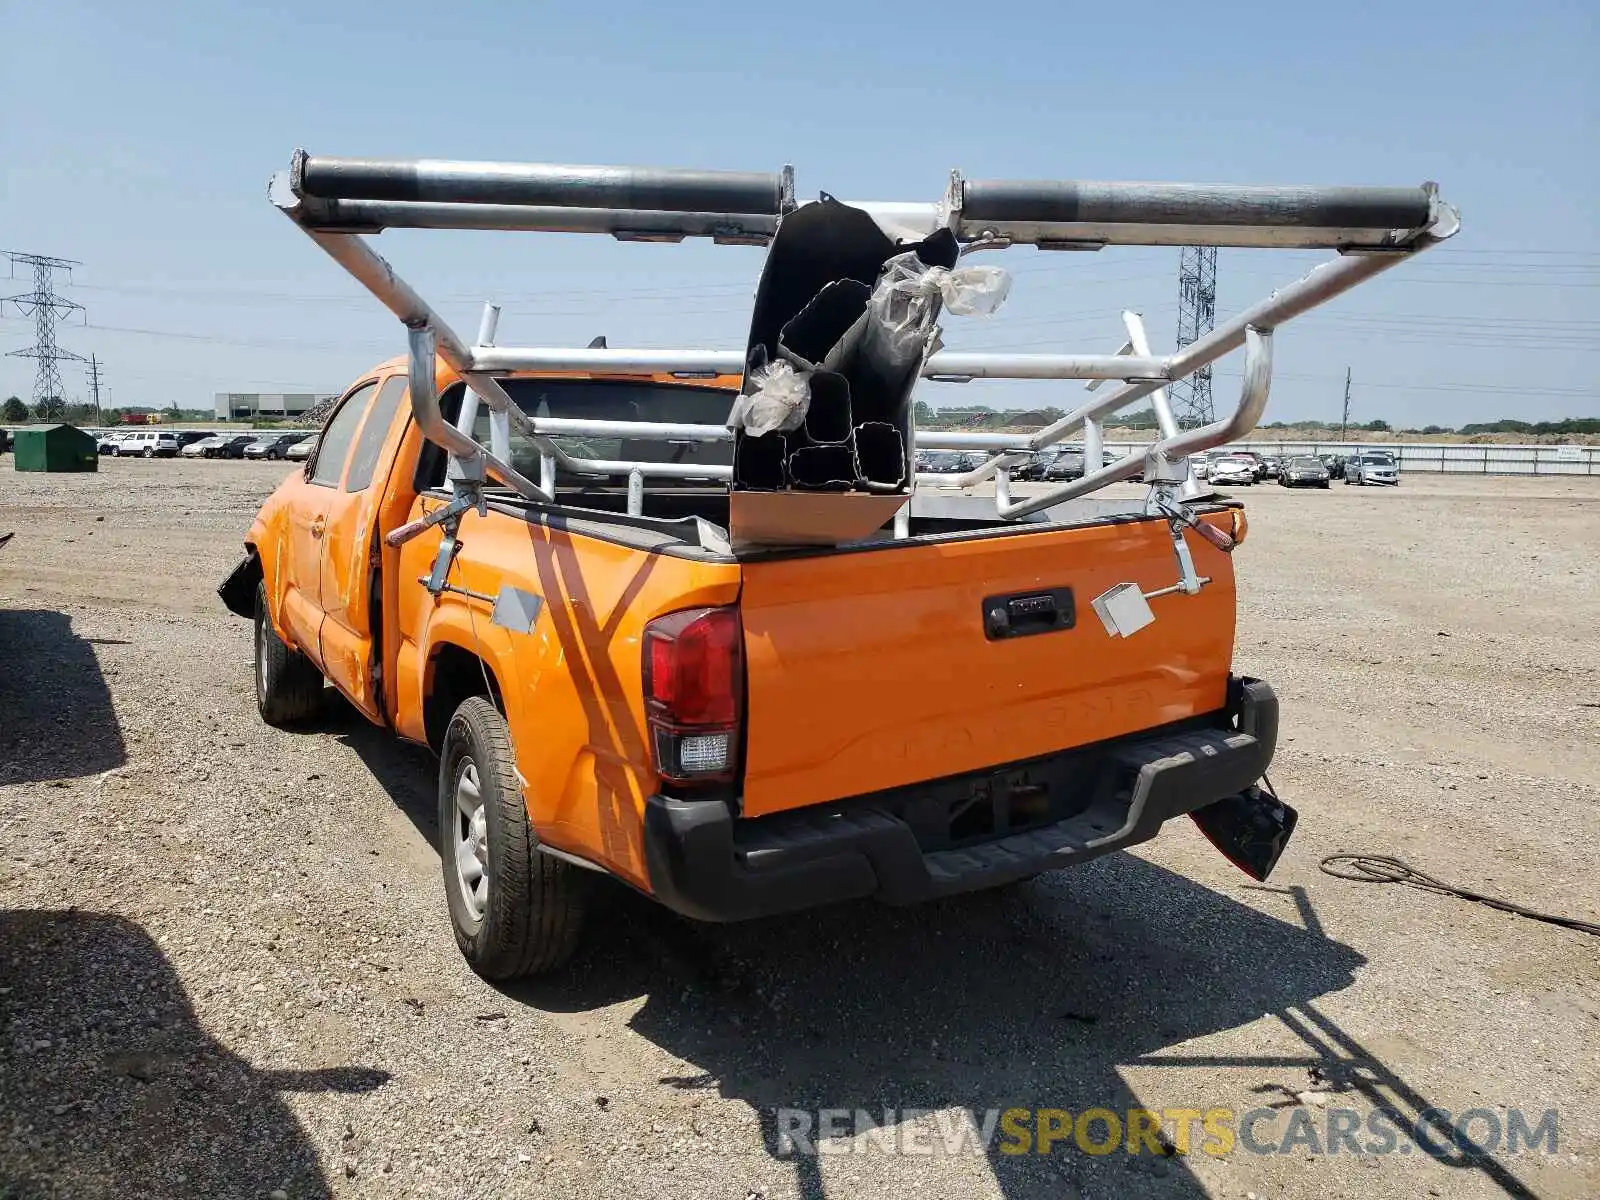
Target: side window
<point x="379" y="421"/>
<point x="336" y="438"/>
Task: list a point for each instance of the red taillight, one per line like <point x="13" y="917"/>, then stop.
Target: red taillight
<point x="693" y="687"/>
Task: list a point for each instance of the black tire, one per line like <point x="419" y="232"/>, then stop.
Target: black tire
<point x="149" y="453"/>
<point x="533" y="904"/>
<point x="288" y="684"/>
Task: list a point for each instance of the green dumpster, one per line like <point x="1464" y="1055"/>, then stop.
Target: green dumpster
<point x="54" y="448"/>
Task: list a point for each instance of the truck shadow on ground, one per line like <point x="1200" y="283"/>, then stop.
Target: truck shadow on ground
<point x="1040" y="996"/>
<point x="1043" y="995"/>
<point x="1033" y="997"/>
<point x="56" y="719"/>
<point x="115" y="1087"/>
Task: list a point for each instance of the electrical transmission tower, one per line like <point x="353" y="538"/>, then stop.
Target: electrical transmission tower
<point x="1197" y="313"/>
<point x="94" y="383"/>
<point x="46" y="308"/>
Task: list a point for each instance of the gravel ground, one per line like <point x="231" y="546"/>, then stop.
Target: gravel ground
<point x="226" y="969"/>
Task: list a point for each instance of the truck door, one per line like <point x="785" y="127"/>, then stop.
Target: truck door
<point x="350" y="560"/>
<point x="300" y="602"/>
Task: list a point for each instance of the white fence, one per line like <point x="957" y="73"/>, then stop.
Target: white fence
<point x="1448" y="458"/>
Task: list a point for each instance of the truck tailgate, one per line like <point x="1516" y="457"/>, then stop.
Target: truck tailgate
<point x="872" y="669"/>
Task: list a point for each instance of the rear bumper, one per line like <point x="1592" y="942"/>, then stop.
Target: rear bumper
<point x="707" y="864"/>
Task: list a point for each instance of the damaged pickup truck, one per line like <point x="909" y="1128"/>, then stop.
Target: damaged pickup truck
<point x="683" y="617"/>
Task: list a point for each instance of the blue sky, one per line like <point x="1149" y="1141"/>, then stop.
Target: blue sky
<point x="137" y="139"/>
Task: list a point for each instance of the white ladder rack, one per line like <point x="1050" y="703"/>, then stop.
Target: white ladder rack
<point x="341" y="202"/>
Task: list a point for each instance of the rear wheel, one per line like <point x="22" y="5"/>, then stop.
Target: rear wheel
<point x="288" y="684"/>
<point x="149" y="453"/>
<point x="515" y="911"/>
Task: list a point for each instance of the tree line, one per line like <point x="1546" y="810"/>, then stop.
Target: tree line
<point x="16" y="411"/>
<point x="980" y="416"/>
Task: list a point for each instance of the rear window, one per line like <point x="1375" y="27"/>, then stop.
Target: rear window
<point x="599" y="400"/>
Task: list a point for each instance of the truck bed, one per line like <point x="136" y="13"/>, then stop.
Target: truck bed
<point x="870" y="666"/>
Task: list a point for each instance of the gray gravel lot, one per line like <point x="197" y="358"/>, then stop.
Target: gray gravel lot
<point x="226" y="969"/>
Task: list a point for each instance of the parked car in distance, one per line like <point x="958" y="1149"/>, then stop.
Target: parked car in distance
<point x="188" y="437"/>
<point x="946" y="462"/>
<point x="1033" y="470"/>
<point x="1257" y="464"/>
<point x="1372" y="466"/>
<point x="1065" y="467"/>
<point x="202" y="447"/>
<point x="146" y="443"/>
<point x="1233" y="469"/>
<point x="232" y="445"/>
<point x="1303" y="471"/>
<point x="272" y="446"/>
<point x="106" y="443"/>
<point x="1275" y="466"/>
<point x="302" y="449"/>
<point x="1335" y="464"/>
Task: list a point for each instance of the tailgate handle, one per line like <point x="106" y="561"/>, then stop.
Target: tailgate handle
<point x="1024" y="613"/>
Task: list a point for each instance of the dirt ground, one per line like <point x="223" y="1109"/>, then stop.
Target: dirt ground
<point x="226" y="969"/>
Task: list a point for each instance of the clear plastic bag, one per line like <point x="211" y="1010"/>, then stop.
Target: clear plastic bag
<point x="973" y="291"/>
<point x="777" y="404"/>
<point x="903" y="306"/>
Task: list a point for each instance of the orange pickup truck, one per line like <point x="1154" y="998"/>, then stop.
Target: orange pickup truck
<point x="682" y="618"/>
<point x="745" y="733"/>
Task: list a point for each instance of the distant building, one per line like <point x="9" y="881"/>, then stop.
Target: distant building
<point x="246" y="406"/>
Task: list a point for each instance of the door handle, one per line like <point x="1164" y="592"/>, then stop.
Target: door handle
<point x="317" y="526"/>
<point x="1019" y="615"/>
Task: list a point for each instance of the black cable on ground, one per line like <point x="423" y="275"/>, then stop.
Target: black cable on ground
<point x="1382" y="868"/>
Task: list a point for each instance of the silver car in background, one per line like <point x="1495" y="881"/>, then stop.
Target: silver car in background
<point x="1372" y="467"/>
<point x="1229" y="469"/>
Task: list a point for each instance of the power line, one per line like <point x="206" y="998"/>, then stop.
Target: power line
<point x="46" y="308"/>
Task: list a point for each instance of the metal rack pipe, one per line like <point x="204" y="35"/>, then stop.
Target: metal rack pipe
<point x="666" y="189"/>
